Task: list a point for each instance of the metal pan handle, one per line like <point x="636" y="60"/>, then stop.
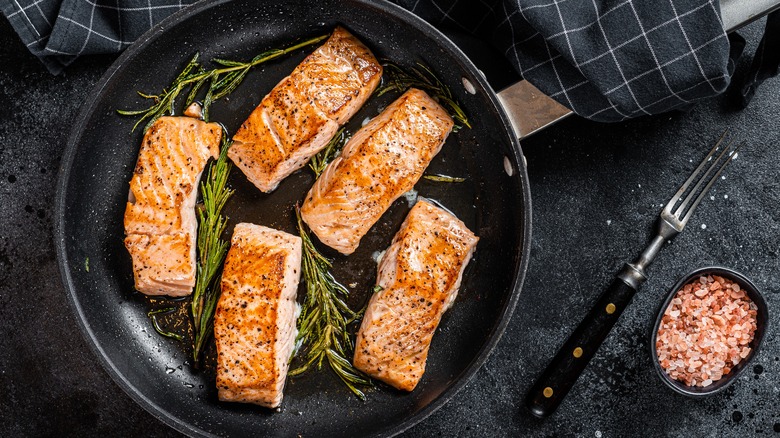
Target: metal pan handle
<point x="529" y="109"/>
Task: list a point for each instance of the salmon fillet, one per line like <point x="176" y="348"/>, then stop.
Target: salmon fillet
<point x="254" y="323"/>
<point x="304" y="111"/>
<point x="160" y="222"/>
<point x="419" y="274"/>
<point x="382" y="161"/>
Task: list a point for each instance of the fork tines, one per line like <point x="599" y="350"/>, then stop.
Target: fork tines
<point x="714" y="167"/>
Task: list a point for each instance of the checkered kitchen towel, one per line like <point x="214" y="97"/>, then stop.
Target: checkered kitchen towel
<point x="59" y="31"/>
<point x="607" y="60"/>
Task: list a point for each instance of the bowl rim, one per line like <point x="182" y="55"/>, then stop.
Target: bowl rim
<point x="762" y="318"/>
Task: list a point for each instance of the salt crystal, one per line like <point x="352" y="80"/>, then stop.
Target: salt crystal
<point x="695" y="340"/>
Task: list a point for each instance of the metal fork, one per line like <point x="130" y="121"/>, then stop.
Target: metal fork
<point x="572" y="358"/>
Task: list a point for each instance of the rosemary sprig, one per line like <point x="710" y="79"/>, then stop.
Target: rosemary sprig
<point x="211" y="247"/>
<point x="322" y="325"/>
<point x="331" y="151"/>
<point x="422" y="77"/>
<point x="156" y="324"/>
<point x="444" y="178"/>
<point x="222" y="81"/>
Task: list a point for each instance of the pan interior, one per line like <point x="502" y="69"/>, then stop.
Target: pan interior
<point x="156" y="371"/>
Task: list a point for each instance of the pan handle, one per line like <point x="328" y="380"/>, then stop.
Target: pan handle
<point x="567" y="365"/>
<point x="529" y="109"/>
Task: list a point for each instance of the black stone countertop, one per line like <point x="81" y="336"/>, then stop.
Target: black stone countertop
<point x="596" y="192"/>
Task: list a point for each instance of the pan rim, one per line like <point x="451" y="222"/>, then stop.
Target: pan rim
<point x="88" y="109"/>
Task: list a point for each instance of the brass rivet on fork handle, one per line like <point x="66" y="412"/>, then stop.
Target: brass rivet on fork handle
<point x="567" y="365"/>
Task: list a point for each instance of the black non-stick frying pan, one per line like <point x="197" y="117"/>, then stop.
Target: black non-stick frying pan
<point x="494" y="201"/>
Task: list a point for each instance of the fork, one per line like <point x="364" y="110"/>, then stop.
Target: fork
<point x="572" y="358"/>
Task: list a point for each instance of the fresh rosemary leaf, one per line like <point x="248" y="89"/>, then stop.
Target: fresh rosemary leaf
<point x="209" y="98"/>
<point x="194" y="89"/>
<point x="212" y="249"/>
<point x="324" y="319"/>
<point x="234" y="82"/>
<point x="331" y="151"/>
<point x="193" y="64"/>
<point x="131" y="112"/>
<point x="422" y="77"/>
<point x="444" y="178"/>
<point x="226" y="79"/>
<point x="223" y="80"/>
<point x="226" y="62"/>
<point x="156" y="324"/>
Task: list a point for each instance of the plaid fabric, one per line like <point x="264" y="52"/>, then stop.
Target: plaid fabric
<point x="607" y="60"/>
<point x="59" y="31"/>
<point x="766" y="62"/>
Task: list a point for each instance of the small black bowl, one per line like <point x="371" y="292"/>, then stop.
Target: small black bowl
<point x="762" y="316"/>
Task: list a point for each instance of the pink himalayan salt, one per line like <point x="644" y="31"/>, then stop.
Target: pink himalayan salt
<point x="705" y="331"/>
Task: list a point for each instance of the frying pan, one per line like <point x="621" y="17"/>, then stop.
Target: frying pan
<point x="156" y="372"/>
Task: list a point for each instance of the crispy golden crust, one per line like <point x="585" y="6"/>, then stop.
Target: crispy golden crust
<point x="339" y="76"/>
<point x="382" y="161"/>
<point x="298" y="117"/>
<point x="420" y="274"/>
<point x="279" y="136"/>
<point x="254" y="323"/>
<point x="159" y="217"/>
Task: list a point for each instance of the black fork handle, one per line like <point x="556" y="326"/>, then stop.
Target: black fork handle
<point x="572" y="358"/>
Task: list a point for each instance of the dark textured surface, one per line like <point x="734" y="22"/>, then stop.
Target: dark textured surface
<point x="596" y="191"/>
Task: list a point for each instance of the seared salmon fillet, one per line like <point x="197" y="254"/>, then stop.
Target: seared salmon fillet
<point x="254" y="323"/>
<point x="382" y="161"/>
<point x="160" y="222"/>
<point x="304" y="111"/>
<point x="419" y="275"/>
